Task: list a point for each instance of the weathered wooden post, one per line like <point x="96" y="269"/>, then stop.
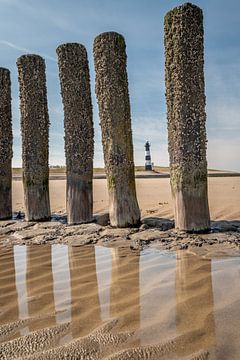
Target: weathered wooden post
<point x="185" y="93"/>
<point x="5" y="145"/>
<point x="78" y="124"/>
<point x="35" y="135"/>
<point x="114" y="111"/>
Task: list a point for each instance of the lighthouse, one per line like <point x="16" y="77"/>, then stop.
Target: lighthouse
<point x="148" y="163"/>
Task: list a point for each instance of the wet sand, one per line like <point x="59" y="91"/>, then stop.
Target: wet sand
<point x="112" y="303"/>
<point x="126" y="297"/>
<point x="154" y="197"/>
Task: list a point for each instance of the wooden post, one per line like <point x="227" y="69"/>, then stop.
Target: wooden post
<point x="114" y="111"/>
<point x="185" y="93"/>
<point x="35" y="135"/>
<point x="5" y="145"/>
<point x="78" y="124"/>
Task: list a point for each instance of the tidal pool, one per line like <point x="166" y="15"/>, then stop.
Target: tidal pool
<point x="96" y="302"/>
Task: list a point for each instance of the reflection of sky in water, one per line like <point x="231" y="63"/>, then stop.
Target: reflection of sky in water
<point x="20" y="277"/>
<point x="226" y="294"/>
<point x="150" y="263"/>
<point x="157" y="294"/>
<point x="163" y="284"/>
<point x="61" y="282"/>
<point x="103" y="258"/>
<point x="226" y="271"/>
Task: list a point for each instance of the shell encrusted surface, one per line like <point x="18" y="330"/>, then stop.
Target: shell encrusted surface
<point x="77" y="103"/>
<point x="34" y="119"/>
<point x="185" y="95"/>
<point x="6" y="136"/>
<point x="114" y="107"/>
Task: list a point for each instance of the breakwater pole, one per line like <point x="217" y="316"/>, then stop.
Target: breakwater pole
<point x="5" y="145"/>
<point x="35" y="136"/>
<point x="185" y="94"/>
<point x="78" y="124"/>
<point x="114" y="111"/>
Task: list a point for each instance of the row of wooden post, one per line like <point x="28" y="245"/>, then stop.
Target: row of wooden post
<point x="184" y="74"/>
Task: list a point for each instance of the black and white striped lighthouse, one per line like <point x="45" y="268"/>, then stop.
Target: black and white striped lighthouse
<point x="148" y="163"/>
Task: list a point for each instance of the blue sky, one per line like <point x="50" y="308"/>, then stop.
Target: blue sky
<point x="32" y="26"/>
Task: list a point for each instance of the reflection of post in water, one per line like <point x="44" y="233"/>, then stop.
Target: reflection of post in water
<point x="8" y="295"/>
<point x="194" y="303"/>
<point x="40" y="283"/>
<point x="125" y="293"/>
<point x="84" y="290"/>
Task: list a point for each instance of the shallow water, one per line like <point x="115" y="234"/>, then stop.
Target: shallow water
<point x="155" y="304"/>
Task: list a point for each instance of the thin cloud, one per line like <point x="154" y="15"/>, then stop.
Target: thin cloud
<point x="15" y="47"/>
<point x="46" y="24"/>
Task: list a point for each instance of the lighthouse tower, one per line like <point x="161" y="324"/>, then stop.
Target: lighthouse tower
<point x="148" y="163"/>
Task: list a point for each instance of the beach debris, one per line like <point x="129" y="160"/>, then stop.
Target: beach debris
<point x="6" y="141"/>
<point x="165" y="237"/>
<point x="19" y="215"/>
<point x="115" y="118"/>
<point x="35" y="136"/>
<point x="185" y="95"/>
<point x="149" y="235"/>
<point x="78" y="125"/>
<point x="143" y="227"/>
<point x="156" y="222"/>
<point x="82" y="229"/>
<point x="111" y="233"/>
<point x="32" y="233"/>
<point x="225" y="226"/>
<point x="79" y="240"/>
<point x="102" y="219"/>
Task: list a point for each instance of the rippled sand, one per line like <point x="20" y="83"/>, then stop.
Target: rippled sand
<point x="154" y="197"/>
<point x="60" y="302"/>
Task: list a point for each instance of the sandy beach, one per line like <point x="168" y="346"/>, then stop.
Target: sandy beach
<point x="119" y="180"/>
<point x="98" y="302"/>
<point x="154" y="196"/>
<point x="93" y="292"/>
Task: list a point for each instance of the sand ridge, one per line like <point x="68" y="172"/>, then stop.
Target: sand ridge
<point x="95" y="302"/>
<point x="90" y="291"/>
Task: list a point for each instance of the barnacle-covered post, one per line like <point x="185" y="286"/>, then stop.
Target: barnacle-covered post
<point x="78" y="124"/>
<point x="114" y="111"/>
<point x="5" y="145"/>
<point x="35" y="136"/>
<point x="185" y="94"/>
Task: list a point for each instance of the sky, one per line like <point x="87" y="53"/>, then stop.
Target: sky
<point x="33" y="26"/>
